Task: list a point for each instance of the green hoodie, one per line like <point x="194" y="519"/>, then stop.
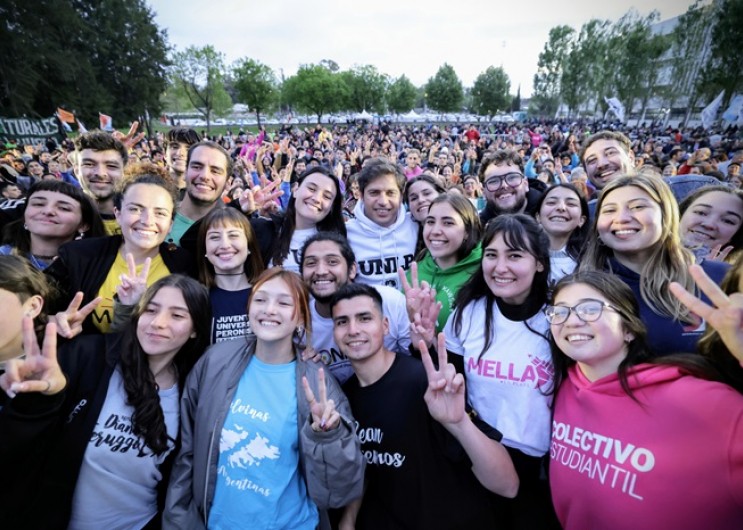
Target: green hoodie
<point x="447" y="282"/>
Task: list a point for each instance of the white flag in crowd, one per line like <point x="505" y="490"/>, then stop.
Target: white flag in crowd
<point x="734" y="114"/>
<point x="710" y="111"/>
<point x="616" y="107"/>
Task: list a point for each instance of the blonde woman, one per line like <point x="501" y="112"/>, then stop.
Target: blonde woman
<point x="635" y="235"/>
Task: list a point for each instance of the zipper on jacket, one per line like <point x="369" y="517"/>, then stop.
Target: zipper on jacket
<point x="208" y="467"/>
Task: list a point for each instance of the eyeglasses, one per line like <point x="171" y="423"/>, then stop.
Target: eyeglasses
<point x="587" y="311"/>
<point x="512" y="179"/>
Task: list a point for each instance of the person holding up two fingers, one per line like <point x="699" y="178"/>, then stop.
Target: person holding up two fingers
<point x="267" y="439"/>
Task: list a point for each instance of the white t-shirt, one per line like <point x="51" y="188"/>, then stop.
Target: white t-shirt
<point x="561" y="264"/>
<point x="119" y="474"/>
<point x="291" y="263"/>
<point x="507" y="384"/>
<point x="397" y="340"/>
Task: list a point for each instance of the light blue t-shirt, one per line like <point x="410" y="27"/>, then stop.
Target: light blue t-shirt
<point x="259" y="485"/>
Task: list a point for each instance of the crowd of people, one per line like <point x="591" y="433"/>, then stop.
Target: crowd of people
<point x="374" y="326"/>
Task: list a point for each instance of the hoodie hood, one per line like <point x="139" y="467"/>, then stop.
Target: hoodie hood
<point x="640" y="377"/>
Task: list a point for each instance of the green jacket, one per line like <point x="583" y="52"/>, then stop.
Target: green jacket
<point x="447" y="282"/>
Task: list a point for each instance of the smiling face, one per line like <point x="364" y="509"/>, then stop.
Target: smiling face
<point x="99" y="171"/>
<point x="382" y="200"/>
<point x="145" y="216"/>
<point x="165" y="324"/>
<point x="598" y="347"/>
<point x="273" y="312"/>
<point x="206" y="175"/>
<point x="359" y="328"/>
<point x="313" y="200"/>
<point x="176" y="154"/>
<point x="560" y="212"/>
<point x="50" y="214"/>
<point x="505" y="198"/>
<point x="420" y="195"/>
<point x="509" y="272"/>
<point x="325" y="270"/>
<point x="443" y="234"/>
<point x="227" y="248"/>
<point x="630" y="222"/>
<point x="712" y="219"/>
<point x="605" y="160"/>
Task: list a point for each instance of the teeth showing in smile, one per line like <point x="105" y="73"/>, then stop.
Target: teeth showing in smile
<point x="625" y="232"/>
<point x="701" y="234"/>
<point x="578" y="338"/>
<point x="559" y="219"/>
<point x="356" y="343"/>
<point x="268" y="323"/>
<point x="503" y="280"/>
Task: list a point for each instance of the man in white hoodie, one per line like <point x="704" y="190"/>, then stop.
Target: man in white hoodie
<point x="383" y="235"/>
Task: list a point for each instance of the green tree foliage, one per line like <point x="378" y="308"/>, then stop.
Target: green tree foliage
<point x="87" y="56"/>
<point x="490" y="93"/>
<point x="401" y="95"/>
<point x="444" y="91"/>
<point x="315" y="89"/>
<point x="516" y="101"/>
<point x="693" y="33"/>
<point x="547" y="80"/>
<point x="366" y="88"/>
<point x="255" y="85"/>
<point x="724" y="70"/>
<point x="200" y="73"/>
<point x="587" y="71"/>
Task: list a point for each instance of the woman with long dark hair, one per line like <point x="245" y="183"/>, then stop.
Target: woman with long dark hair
<point x="315" y="205"/>
<point x="108" y="410"/>
<point x="55" y="213"/>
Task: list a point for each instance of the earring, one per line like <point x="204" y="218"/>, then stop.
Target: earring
<point x="300" y="337"/>
<point x="25" y="227"/>
<point x="80" y="235"/>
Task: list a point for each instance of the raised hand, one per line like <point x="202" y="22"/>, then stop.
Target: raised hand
<point x="133" y="285"/>
<point x="39" y="370"/>
<point x="324" y="415"/>
<point x="70" y="321"/>
<point x="412" y="289"/>
<point x="718" y="253"/>
<point x="423" y="321"/>
<point x="259" y="198"/>
<point x="445" y="393"/>
<point x="726" y="316"/>
<point x="131" y="138"/>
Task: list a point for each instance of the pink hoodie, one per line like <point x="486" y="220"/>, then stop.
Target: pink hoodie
<point x="672" y="461"/>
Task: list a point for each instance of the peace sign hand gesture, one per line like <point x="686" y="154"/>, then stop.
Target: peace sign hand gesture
<point x="39" y="371"/>
<point x="445" y="393"/>
<point x="259" y="198"/>
<point x="70" y="321"/>
<point x="131" y="138"/>
<point x="726" y="317"/>
<point x="133" y="285"/>
<point x="324" y="415"/>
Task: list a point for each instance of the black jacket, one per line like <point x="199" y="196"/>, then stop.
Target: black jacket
<point x="48" y="436"/>
<point x="83" y="266"/>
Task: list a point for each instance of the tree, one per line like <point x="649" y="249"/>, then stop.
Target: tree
<point x="516" y="101"/>
<point x="401" y="95"/>
<point x="490" y="93"/>
<point x="366" y="88"/>
<point x="255" y="85"/>
<point x="200" y="73"/>
<point x="444" y="90"/>
<point x="315" y="89"/>
<point x="589" y="66"/>
<point x="87" y="56"/>
<point x="724" y="70"/>
<point x="547" y="80"/>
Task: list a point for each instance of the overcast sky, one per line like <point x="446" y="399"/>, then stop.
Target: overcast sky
<point x="411" y="37"/>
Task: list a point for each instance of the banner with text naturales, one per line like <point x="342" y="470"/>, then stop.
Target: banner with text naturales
<point x="30" y="131"/>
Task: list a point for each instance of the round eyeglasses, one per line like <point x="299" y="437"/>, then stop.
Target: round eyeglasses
<point x="512" y="179"/>
<point x="587" y="311"/>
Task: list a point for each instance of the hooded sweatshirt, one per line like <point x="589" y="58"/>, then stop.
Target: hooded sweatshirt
<point x="671" y="459"/>
<point x="381" y="250"/>
<point x="447" y="281"/>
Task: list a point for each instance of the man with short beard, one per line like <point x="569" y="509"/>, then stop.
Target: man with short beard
<point x="505" y="187"/>
<point x="327" y="263"/>
<point x="605" y="156"/>
<point x="99" y="166"/>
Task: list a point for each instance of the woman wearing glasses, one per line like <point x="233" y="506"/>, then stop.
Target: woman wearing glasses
<point x="505" y="187"/>
<point x="636" y="236"/>
<point x="637" y="442"/>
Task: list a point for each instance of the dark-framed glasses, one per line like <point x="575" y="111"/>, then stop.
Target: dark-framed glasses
<point x="512" y="179"/>
<point x="587" y="311"/>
